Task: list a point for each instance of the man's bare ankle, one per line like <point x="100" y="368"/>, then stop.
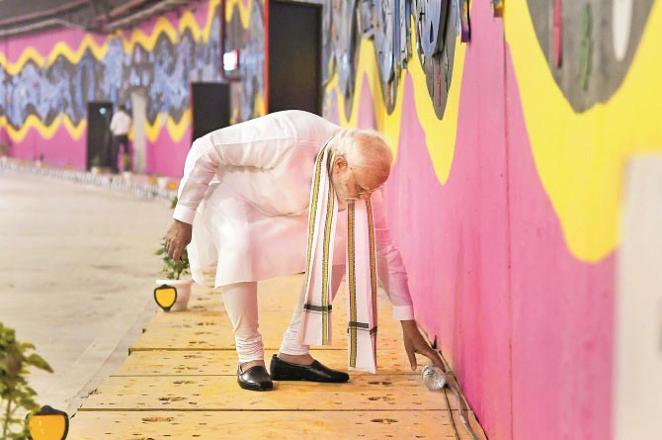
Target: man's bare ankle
<point x="299" y="359"/>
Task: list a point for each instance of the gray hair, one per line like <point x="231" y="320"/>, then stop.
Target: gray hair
<point x="364" y="148"/>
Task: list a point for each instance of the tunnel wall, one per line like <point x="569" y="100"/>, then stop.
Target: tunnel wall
<point x="505" y="198"/>
<point x="505" y="194"/>
<point x="47" y="78"/>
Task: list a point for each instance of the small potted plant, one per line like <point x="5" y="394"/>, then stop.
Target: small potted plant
<point x="16" y="396"/>
<point x="126" y="166"/>
<point x="4" y="151"/>
<point x="172" y="186"/>
<point x="162" y="182"/>
<point x="173" y="272"/>
<point x="95" y="167"/>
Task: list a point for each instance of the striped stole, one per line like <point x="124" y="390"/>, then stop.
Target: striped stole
<point x="361" y="276"/>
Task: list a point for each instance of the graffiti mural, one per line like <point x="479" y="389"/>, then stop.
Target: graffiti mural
<point x="63" y="87"/>
<point x="248" y="39"/>
<point x="341" y="42"/>
<point x="589" y="68"/>
<point x="507" y="209"/>
<point x="505" y="197"/>
<point x="389" y="23"/>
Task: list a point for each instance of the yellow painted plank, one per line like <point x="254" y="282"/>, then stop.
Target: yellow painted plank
<point x="189" y="390"/>
<point x="377" y="392"/>
<point x="203" y="299"/>
<point x="205" y="326"/>
<point x="224" y="363"/>
<point x="279" y="293"/>
<point x="322" y="425"/>
<point x="200" y="312"/>
<point x="269" y="301"/>
<point x="212" y="330"/>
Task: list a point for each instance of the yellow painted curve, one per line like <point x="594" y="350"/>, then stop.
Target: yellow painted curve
<point x="439" y="134"/>
<point x="176" y="129"/>
<point x="580" y="157"/>
<point x="244" y="11"/>
<point x="46" y="132"/>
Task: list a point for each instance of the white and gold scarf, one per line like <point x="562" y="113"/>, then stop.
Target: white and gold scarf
<point x="361" y="276"/>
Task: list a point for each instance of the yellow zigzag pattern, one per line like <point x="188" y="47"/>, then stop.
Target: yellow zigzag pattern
<point x="579" y="157"/>
<point x="47" y="132"/>
<point x="439" y="134"/>
<point x="176" y="129"/>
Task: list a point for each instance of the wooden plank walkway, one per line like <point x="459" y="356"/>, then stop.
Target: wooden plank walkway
<point x="180" y="382"/>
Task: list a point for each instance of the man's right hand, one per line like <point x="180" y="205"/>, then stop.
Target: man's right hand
<point x="177" y="238"/>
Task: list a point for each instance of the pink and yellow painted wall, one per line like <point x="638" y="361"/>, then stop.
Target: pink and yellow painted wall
<point x="47" y="79"/>
<point x="507" y="207"/>
<point x="505" y="193"/>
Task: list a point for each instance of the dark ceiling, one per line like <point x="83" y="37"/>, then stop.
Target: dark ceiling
<point x="103" y="16"/>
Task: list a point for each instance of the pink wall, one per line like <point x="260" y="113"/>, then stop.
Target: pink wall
<point x="60" y="150"/>
<point x="526" y="326"/>
<point x="43" y="42"/>
<point x="165" y="155"/>
<point x="562" y="311"/>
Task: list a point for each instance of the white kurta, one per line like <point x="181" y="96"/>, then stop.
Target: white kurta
<point x="120" y="124"/>
<point x="246" y="191"/>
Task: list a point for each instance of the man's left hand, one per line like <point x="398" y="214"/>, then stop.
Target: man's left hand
<point x="177" y="238"/>
<point x="416" y="343"/>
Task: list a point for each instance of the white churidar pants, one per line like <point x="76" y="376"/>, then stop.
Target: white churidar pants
<point x="240" y="300"/>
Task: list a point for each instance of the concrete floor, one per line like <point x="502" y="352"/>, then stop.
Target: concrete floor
<point x="77" y="271"/>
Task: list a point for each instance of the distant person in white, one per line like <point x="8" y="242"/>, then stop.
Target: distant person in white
<point x="120" y="125"/>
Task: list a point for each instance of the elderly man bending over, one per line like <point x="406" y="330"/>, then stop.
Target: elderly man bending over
<point x="287" y="193"/>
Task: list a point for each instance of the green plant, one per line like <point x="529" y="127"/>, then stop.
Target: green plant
<point x="126" y="162"/>
<point x="15" y="394"/>
<point x="173" y="270"/>
<point x="152" y="178"/>
<point x="96" y="161"/>
<point x="4" y="149"/>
